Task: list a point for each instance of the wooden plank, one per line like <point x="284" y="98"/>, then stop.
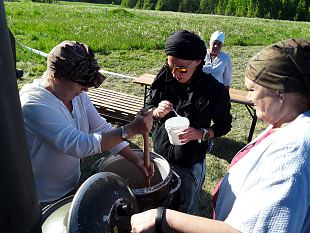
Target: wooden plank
<point x="239" y="96"/>
<point x="117" y="100"/>
<point x="116" y="106"/>
<point x="145" y="79"/>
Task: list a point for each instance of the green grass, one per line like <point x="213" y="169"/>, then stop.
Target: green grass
<point x="131" y="42"/>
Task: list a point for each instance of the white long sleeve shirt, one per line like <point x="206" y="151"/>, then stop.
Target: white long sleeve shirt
<point x="268" y="190"/>
<point x="220" y="68"/>
<point x="57" y="139"/>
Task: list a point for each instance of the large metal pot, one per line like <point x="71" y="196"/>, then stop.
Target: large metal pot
<point x="55" y="217"/>
<point x="107" y="199"/>
<point x="163" y="185"/>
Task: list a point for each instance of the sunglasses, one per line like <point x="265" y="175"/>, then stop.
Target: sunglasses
<point x="85" y="84"/>
<point x="180" y="69"/>
<point x="94" y="81"/>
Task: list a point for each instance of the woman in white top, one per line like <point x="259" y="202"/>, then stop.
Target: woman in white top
<point x="63" y="126"/>
<point x="217" y="62"/>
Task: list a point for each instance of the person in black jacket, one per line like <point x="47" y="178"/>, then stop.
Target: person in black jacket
<point x="181" y="84"/>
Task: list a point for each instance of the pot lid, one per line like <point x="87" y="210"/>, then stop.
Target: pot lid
<point x="104" y="203"/>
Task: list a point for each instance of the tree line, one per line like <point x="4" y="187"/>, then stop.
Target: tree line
<point x="298" y="10"/>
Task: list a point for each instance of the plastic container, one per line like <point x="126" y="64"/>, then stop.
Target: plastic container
<point x="174" y="126"/>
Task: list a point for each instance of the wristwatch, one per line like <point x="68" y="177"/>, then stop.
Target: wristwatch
<point x="205" y="135"/>
<point x="124" y="134"/>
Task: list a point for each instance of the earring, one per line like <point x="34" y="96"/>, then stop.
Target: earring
<point x="280" y="97"/>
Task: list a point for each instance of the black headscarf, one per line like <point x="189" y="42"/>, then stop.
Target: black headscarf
<point x="185" y="45"/>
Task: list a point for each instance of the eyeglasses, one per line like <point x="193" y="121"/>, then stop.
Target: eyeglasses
<point x="94" y="81"/>
<point x="180" y="69"/>
<point x="84" y="84"/>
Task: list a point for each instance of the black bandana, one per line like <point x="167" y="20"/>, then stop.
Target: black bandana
<point x="185" y="45"/>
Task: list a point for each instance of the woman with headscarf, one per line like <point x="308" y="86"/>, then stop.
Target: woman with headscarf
<point x="218" y="62"/>
<point x="63" y="126"/>
<point x="267" y="187"/>
<point x="182" y="85"/>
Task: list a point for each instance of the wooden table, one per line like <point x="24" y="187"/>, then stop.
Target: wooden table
<point x="236" y="96"/>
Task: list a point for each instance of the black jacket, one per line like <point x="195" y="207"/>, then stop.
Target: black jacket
<point x="203" y="101"/>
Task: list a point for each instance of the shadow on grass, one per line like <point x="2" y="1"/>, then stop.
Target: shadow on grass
<point x="204" y="208"/>
<point x="225" y="148"/>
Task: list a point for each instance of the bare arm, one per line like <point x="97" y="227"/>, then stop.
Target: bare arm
<point x="175" y="221"/>
<point x="180" y="222"/>
<point x="140" y="125"/>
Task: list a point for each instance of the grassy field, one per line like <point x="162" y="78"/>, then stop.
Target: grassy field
<point x="131" y="42"/>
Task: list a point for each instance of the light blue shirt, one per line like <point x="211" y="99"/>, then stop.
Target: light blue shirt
<point x="220" y="68"/>
<point x="268" y="190"/>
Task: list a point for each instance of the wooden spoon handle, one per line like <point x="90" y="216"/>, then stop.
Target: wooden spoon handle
<point x="146" y="150"/>
<point x="146" y="155"/>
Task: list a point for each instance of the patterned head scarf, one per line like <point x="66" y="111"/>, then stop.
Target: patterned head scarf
<point x="185" y="45"/>
<point x="76" y="62"/>
<point x="283" y="66"/>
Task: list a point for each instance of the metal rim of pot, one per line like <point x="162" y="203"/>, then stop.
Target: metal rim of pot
<point x="158" y="186"/>
<point x="145" y="190"/>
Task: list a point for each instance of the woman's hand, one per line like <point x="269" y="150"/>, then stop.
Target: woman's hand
<point x="141" y="124"/>
<point x="138" y="161"/>
<point x="164" y="107"/>
<point x="190" y="134"/>
<point x="143" y="222"/>
<point x="148" y="172"/>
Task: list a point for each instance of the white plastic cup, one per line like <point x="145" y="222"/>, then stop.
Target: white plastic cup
<point x="174" y="126"/>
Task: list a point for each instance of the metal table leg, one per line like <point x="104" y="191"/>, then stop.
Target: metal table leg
<point x="254" y="120"/>
<point x="145" y="94"/>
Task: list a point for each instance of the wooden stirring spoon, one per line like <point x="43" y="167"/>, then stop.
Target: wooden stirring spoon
<point x="146" y="155"/>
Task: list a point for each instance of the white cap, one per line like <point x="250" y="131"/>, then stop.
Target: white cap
<point x="217" y="35"/>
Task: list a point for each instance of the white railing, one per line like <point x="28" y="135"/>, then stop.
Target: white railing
<point x="101" y="70"/>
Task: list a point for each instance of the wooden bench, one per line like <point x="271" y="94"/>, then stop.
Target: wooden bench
<point x="116" y="107"/>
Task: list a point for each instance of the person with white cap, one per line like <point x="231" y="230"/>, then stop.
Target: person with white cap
<point x="217" y="62"/>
